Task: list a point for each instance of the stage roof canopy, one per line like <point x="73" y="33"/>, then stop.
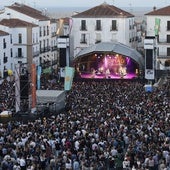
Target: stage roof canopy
<point x="114" y="47"/>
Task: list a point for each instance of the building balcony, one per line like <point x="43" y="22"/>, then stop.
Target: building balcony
<point x="19" y="56"/>
<point x="54" y="62"/>
<point x="36" y="53"/>
<point x="53" y="34"/>
<point x="163" y="55"/>
<point x="45" y="49"/>
<point x="83" y="41"/>
<point x="113" y="29"/>
<point x="163" y="41"/>
<point x="54" y="48"/>
<point x="83" y="28"/>
<point x="98" y="28"/>
<point x="42" y="50"/>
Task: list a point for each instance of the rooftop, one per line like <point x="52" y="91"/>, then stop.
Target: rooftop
<point x="104" y="10"/>
<point x="162" y="11"/>
<point x="27" y="10"/>
<point x="16" y="23"/>
<point x="2" y="33"/>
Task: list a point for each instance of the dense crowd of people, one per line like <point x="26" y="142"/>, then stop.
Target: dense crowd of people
<point x="7" y="95"/>
<point x="106" y="125"/>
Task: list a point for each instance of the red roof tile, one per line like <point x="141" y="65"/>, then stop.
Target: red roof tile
<point x="27" y="10"/>
<point x="104" y="10"/>
<point x="2" y="33"/>
<point x="162" y="11"/>
<point x="16" y="23"/>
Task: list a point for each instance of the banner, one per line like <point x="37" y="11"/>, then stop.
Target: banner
<point x="33" y="83"/>
<point x="39" y="70"/>
<point x="17" y="88"/>
<point x="69" y="74"/>
<point x="149" y="74"/>
<point x="157" y="25"/>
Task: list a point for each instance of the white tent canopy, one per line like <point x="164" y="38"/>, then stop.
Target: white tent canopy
<point x="50" y="96"/>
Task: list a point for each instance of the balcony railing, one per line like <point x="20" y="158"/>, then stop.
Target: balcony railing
<point x="19" y="55"/>
<point x="98" y="28"/>
<point x="163" y="55"/>
<point x="53" y="34"/>
<point x="54" y="48"/>
<point x="83" y="28"/>
<point x="35" y="54"/>
<point x="45" y="49"/>
<point x="112" y="28"/>
<point x="54" y="62"/>
<point x="83" y="41"/>
<point x="163" y="41"/>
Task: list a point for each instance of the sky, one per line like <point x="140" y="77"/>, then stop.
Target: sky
<point x="88" y="3"/>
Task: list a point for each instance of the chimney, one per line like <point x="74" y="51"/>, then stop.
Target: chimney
<point x="154" y="8"/>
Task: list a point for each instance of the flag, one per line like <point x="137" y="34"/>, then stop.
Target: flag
<point x="39" y="70"/>
<point x="17" y="88"/>
<point x="70" y="25"/>
<point x="157" y="25"/>
<point x="33" y="81"/>
<point x="69" y="74"/>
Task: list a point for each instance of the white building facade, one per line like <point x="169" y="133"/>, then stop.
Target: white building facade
<point x="6" y="57"/>
<point x="24" y="39"/>
<point x="103" y="23"/>
<point x="159" y="20"/>
<point x="43" y="38"/>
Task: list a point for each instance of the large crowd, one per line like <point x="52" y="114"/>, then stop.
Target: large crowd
<point x="7" y="95"/>
<point x="106" y="125"/>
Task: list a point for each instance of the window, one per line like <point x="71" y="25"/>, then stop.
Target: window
<point x="44" y="31"/>
<point x="168" y="51"/>
<point x="4" y="43"/>
<point x="33" y="37"/>
<point x="114" y="25"/>
<point x="168" y="38"/>
<point x="83" y="39"/>
<point x="19" y="38"/>
<point x="98" y="25"/>
<point x="168" y="25"/>
<point x="131" y="24"/>
<point x="44" y="43"/>
<point x="11" y="38"/>
<point x="83" y="25"/>
<point x="11" y="52"/>
<point x="5" y="60"/>
<point x="36" y="37"/>
<point x="20" y="52"/>
<point x="47" y="30"/>
<point x="40" y="32"/>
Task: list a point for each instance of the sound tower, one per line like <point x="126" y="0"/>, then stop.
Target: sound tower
<point x="24" y="86"/>
<point x="62" y="60"/>
<point x="149" y="59"/>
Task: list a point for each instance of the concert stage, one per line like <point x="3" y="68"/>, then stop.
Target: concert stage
<point x="111" y="76"/>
